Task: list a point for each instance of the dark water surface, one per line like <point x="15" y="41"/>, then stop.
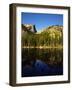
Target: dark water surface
<point x="42" y="62"/>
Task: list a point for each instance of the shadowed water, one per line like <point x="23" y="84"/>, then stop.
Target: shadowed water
<point x="42" y="62"/>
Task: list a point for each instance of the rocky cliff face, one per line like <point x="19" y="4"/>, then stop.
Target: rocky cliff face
<point x="29" y="27"/>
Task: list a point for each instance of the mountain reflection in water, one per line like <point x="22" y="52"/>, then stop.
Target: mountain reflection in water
<point x="42" y="62"/>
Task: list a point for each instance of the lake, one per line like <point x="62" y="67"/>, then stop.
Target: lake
<point x="41" y="62"/>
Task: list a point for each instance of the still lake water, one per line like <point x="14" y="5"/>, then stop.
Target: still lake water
<point x="42" y="62"/>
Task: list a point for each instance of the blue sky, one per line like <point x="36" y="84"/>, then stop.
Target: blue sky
<point x="41" y="20"/>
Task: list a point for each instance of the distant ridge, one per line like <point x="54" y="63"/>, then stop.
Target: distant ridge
<point x="32" y="28"/>
<point x="51" y="29"/>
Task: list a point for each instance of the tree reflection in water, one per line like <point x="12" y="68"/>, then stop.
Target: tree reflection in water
<point x="42" y="62"/>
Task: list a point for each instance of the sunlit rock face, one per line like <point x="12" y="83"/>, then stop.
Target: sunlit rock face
<point x="29" y="27"/>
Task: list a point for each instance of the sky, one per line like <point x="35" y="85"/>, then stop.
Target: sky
<point x="41" y="20"/>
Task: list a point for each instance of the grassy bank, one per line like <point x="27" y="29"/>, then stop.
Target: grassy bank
<point x="43" y="47"/>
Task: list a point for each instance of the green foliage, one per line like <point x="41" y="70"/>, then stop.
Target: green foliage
<point x="52" y="36"/>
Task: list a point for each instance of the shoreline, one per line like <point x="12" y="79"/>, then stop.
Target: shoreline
<point x="44" y="47"/>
